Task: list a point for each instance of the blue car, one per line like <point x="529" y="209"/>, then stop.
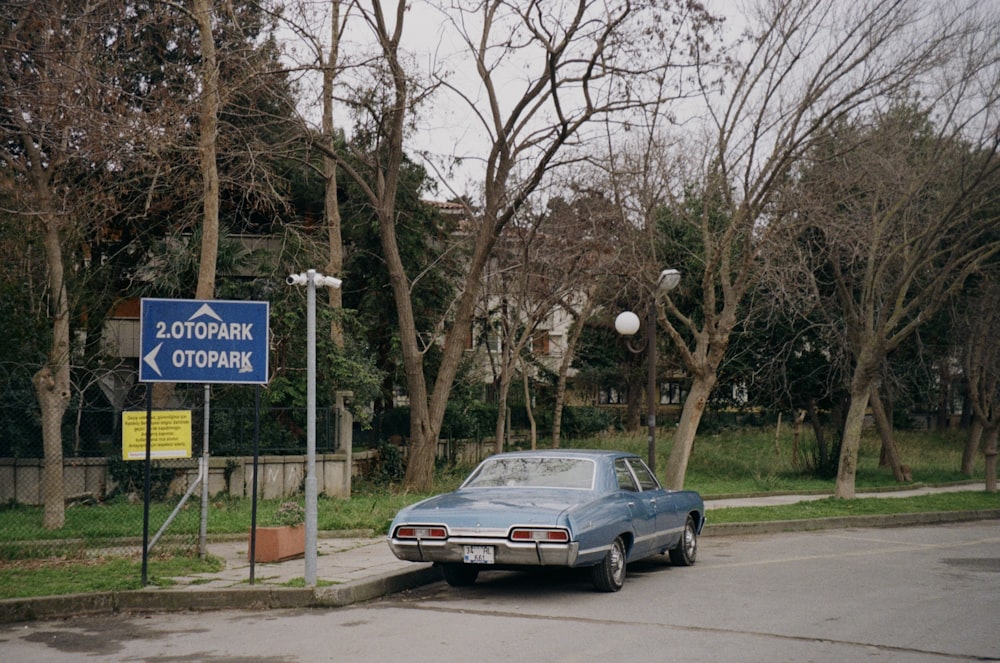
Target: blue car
<point x="562" y="508"/>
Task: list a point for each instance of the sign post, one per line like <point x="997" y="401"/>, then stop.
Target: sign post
<point x="200" y="341"/>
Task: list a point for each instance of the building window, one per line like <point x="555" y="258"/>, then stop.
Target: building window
<point x="540" y="343"/>
<point x="612" y="396"/>
<point x="671" y="393"/>
<point x="493" y="343"/>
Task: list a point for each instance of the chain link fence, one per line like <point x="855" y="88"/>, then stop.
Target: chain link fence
<point x="102" y="495"/>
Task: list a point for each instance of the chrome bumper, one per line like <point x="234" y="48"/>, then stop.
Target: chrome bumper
<point x="505" y="552"/>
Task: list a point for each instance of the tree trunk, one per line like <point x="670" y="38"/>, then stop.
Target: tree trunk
<point x="52" y="382"/>
<point x="499" y="433"/>
<point x="990" y="453"/>
<point x="164" y="393"/>
<point x="331" y="208"/>
<point x="208" y="120"/>
<point x="422" y="447"/>
<point x="53" y="406"/>
<point x="890" y="452"/>
<point x="680" y="452"/>
<point x="851" y="441"/>
<point x="944" y="377"/>
<point x="527" y="406"/>
<point x="972" y="441"/>
<point x="967" y="410"/>
<point x="817" y="427"/>
<point x="800" y="416"/>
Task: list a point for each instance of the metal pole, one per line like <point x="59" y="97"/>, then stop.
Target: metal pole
<point x="146" y="480"/>
<point x="310" y="485"/>
<point x="311" y="279"/>
<point x="256" y="481"/>
<point x="203" y="533"/>
<point x="651" y="383"/>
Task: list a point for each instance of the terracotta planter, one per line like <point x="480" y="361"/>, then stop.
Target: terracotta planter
<point x="276" y="544"/>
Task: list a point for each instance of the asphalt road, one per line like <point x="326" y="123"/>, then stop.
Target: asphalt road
<point x="911" y="594"/>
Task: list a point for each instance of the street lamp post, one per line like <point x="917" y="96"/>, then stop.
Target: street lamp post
<point x="627" y="324"/>
<point x="312" y="279"/>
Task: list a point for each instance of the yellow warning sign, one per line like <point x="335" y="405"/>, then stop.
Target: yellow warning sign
<point x="170" y="434"/>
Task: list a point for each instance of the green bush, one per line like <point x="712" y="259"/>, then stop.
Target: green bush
<point x="584" y="421"/>
<point x="389" y="467"/>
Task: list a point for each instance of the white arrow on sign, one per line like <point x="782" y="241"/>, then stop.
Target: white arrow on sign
<point x="150" y="359"/>
<point x="206" y="310"/>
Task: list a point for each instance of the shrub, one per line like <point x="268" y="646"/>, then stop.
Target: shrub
<point x="288" y="514"/>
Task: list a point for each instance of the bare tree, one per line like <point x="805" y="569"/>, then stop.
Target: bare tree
<point x="65" y="122"/>
<point x="907" y="219"/>
<point x="331" y="209"/>
<point x="804" y="66"/>
<point x="202" y="14"/>
<point x="534" y="279"/>
<point x="574" y="64"/>
<point x="601" y="225"/>
<point x="323" y="54"/>
<point x="643" y="173"/>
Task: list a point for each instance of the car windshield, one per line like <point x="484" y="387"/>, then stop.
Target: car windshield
<point x="538" y="472"/>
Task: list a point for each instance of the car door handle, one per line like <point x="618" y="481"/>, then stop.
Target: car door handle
<point x="630" y="504"/>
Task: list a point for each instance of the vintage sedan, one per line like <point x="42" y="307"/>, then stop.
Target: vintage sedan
<point x="562" y="508"/>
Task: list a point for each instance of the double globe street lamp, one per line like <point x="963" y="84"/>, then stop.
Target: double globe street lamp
<point x="627" y="324"/>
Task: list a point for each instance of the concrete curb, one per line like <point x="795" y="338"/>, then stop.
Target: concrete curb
<point x="260" y="597"/>
<point x="391" y="583"/>
<point x="265" y="598"/>
<point x="843" y="522"/>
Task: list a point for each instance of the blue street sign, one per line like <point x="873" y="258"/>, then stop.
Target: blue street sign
<point x="193" y="340"/>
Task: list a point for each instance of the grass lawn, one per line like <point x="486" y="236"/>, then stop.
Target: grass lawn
<point x="863" y="506"/>
<point x="95" y="551"/>
<point x="55" y="576"/>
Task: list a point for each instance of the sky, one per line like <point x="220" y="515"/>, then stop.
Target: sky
<point x="446" y="126"/>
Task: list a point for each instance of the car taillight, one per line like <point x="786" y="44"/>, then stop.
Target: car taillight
<point x="409" y="532"/>
<point x="540" y="535"/>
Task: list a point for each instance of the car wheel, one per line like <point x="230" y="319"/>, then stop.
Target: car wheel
<point x="609" y="575"/>
<point x="686" y="550"/>
<point x="459" y="575"/>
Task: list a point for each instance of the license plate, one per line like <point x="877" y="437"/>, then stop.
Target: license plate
<point x="478" y="555"/>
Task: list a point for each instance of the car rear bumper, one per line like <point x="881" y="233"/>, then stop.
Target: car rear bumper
<point x="505" y="552"/>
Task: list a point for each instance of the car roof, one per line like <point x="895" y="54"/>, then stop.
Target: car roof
<point x="565" y="453"/>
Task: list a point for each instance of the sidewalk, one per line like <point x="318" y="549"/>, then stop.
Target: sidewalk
<point x="354" y="567"/>
<point x="340" y="560"/>
<point x="775" y="500"/>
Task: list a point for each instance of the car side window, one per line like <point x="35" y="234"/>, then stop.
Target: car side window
<point x="624" y="476"/>
<point x="646" y="479"/>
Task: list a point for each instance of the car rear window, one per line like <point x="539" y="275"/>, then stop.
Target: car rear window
<point x="534" y="472"/>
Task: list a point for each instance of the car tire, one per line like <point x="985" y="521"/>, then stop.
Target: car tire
<point x="609" y="575"/>
<point x="459" y="575"/>
<point x="686" y="550"/>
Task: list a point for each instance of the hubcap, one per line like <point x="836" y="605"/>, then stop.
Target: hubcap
<point x="617" y="560"/>
<point x="690" y="543"/>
